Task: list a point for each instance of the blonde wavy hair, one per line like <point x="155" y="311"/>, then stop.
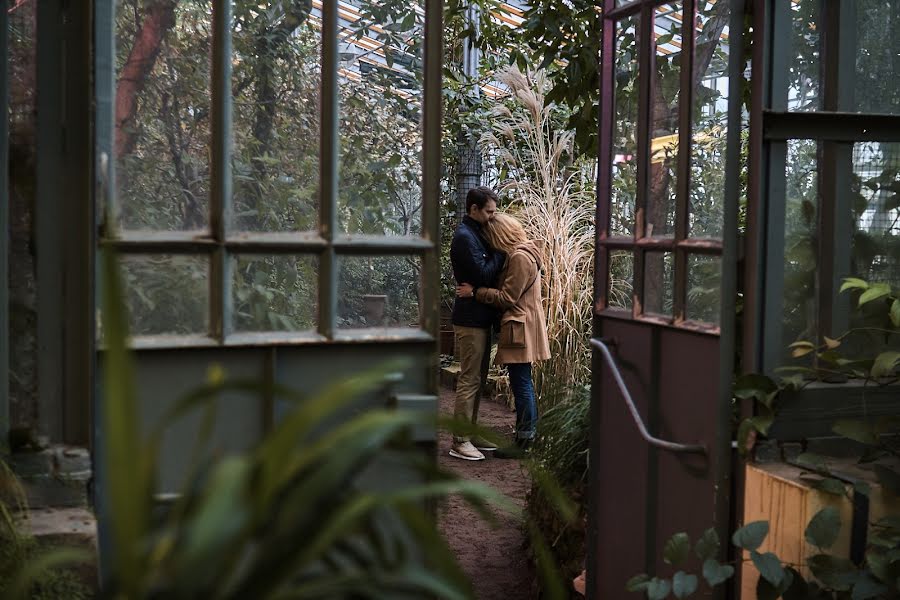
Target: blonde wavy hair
<point x="505" y="232"/>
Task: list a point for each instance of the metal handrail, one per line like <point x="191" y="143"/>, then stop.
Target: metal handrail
<point x="653" y="441"/>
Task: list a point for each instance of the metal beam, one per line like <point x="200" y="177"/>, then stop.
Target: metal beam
<point x="4" y="229"/>
<point x="328" y="169"/>
<point x="831" y="126"/>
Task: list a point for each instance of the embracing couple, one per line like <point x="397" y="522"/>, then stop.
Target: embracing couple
<point x="498" y="270"/>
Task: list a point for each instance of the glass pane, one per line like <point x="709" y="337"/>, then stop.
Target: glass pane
<point x="877" y="56"/>
<point x="703" y="289"/>
<point x="624" y="145"/>
<point x="380" y="128"/>
<point x="166" y="294"/>
<point x="162" y="114"/>
<point x="275" y="293"/>
<point x="660" y="218"/>
<point x="658" y="283"/>
<point x="710" y="121"/>
<point x="800" y="260"/>
<point x="804" y="63"/>
<point x="276" y="78"/>
<point x="22" y="122"/>
<point x="378" y="291"/>
<point x="621" y="275"/>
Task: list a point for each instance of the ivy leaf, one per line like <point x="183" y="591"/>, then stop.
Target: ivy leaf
<point x="858" y="431"/>
<point x="638" y="583"/>
<point x="683" y="585"/>
<point x="769" y="567"/>
<point x="658" y="589"/>
<point x="677" y="549"/>
<point x="708" y="545"/>
<point x="888" y="478"/>
<point x="823" y="529"/>
<point x="851" y="283"/>
<point x="715" y="573"/>
<point x="895" y="312"/>
<point x="876" y="291"/>
<point x="885" y="363"/>
<point x="751" y="536"/>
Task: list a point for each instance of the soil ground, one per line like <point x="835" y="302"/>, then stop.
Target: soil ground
<point x="496" y="559"/>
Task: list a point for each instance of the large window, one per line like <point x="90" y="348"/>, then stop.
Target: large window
<point x="269" y="179"/>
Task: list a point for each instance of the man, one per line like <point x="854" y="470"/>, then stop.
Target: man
<point x="475" y="262"/>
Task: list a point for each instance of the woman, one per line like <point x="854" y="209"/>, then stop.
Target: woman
<point x="523" y="332"/>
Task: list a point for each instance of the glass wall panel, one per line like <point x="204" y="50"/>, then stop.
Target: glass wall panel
<point x="380" y="127"/>
<point x="804" y="63"/>
<point x="660" y="216"/>
<point x="624" y="143"/>
<point x="710" y="121"/>
<point x="162" y="125"/>
<point x="275" y="83"/>
<point x="800" y="258"/>
<point x="275" y="293"/>
<point x="378" y="291"/>
<point x="621" y="275"/>
<point x="877" y="56"/>
<point x="703" y="290"/>
<point x="166" y="294"/>
<point x="659" y="270"/>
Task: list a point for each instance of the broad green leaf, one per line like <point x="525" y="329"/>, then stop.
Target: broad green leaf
<point x="658" y="589"/>
<point x="683" y="585"/>
<point x="856" y="430"/>
<point x="823" y="529"/>
<point x="830" y="485"/>
<point x="852" y="283"/>
<point x="799" y="349"/>
<point x="751" y="536"/>
<point x="677" y="549"/>
<point x="638" y="583"/>
<point x="885" y="363"/>
<point x="798" y="588"/>
<point x="769" y="567"/>
<point x="862" y="488"/>
<point x="889" y="478"/>
<point x="875" y="291"/>
<point x="830" y="343"/>
<point x="715" y="573"/>
<point x="867" y="588"/>
<point x="762" y="423"/>
<point x="746" y="437"/>
<point x="895" y="312"/>
<point x="837" y="573"/>
<point x="708" y="545"/>
<point x="813" y="461"/>
<point x="765" y="590"/>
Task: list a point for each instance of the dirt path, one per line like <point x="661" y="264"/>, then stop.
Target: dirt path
<point x="496" y="560"/>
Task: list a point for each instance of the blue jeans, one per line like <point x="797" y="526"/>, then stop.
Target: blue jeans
<point x="526" y="406"/>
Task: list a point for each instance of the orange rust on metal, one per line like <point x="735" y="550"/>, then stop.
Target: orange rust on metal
<point x="639" y="223"/>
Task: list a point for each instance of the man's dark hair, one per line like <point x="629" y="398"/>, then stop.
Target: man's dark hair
<point x="479" y="196"/>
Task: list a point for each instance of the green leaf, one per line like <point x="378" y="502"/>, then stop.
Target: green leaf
<point x="837" y="573"/>
<point x="885" y="364"/>
<point x="708" y="545"/>
<point x="895" y="312"/>
<point x="746" y="437"/>
<point x="658" y="589"/>
<point x="798" y="588"/>
<point x="677" y="549"/>
<point x="888" y="478"/>
<point x="765" y="590"/>
<point x="813" y="461"/>
<point x="715" y="573"/>
<point x="852" y="283"/>
<point x="867" y="588"/>
<point x="683" y="585"/>
<point x="638" y="583"/>
<point x="769" y="567"/>
<point x="762" y="423"/>
<point x="751" y="536"/>
<point x="858" y="431"/>
<point x="830" y="485"/>
<point x="801" y="348"/>
<point x="823" y="529"/>
<point x="876" y="291"/>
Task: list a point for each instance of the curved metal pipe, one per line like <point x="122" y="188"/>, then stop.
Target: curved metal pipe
<point x="638" y="421"/>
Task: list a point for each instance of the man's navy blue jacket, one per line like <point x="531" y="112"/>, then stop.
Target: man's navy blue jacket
<point x="475" y="262"/>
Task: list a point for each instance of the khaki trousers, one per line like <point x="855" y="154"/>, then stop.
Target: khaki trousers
<point x="473" y="350"/>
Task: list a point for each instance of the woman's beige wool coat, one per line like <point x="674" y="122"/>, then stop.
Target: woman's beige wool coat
<point x="523" y="332"/>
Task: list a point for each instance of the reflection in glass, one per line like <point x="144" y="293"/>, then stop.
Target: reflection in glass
<point x="660" y="217"/>
<point x="710" y="121"/>
<point x="275" y="293"/>
<point x="877" y="56"/>
<point x="800" y="258"/>
<point x="658" y="283"/>
<point x="621" y="275"/>
<point x="162" y="126"/>
<point x="624" y="146"/>
<point x="805" y="60"/>
<point x="378" y="291"/>
<point x="703" y="288"/>
<point x="275" y="82"/>
<point x="166" y="294"/>
<point x="381" y="77"/>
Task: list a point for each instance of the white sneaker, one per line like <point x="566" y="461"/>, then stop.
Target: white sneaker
<point x="466" y="451"/>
